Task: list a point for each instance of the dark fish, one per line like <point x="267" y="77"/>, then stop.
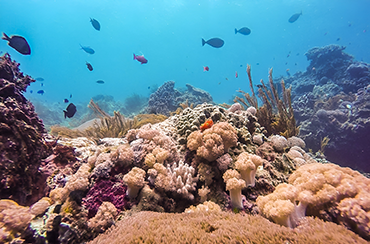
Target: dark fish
<point x="338" y="39"/>
<point x="214" y="42"/>
<point x="206" y="68"/>
<point x="87" y="49"/>
<point x="141" y="59"/>
<point x="66" y="100"/>
<point x="70" y="111"/>
<point x="89" y="66"/>
<point x="95" y="24"/>
<point x="70" y="96"/>
<point x="31" y="91"/>
<point x="41" y="92"/>
<point x="294" y="17"/>
<point x="42" y="84"/>
<point x="18" y="43"/>
<point x="244" y="31"/>
<point x="100" y="82"/>
<point x="39" y="79"/>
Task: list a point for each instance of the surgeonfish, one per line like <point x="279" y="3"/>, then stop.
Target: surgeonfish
<point x="18" y="43"/>
<point x="95" y="24"/>
<point x="89" y="50"/>
<point x="214" y="42"/>
<point x="244" y="31"/>
<point x="70" y="111"/>
<point x="294" y="17"/>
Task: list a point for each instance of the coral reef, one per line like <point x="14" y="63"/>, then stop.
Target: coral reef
<point x="331" y="100"/>
<point x="167" y="99"/>
<point x="22" y="144"/>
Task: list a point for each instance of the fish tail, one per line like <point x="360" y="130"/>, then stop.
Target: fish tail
<point x="65" y="114"/>
<point x="134" y="56"/>
<point x="5" y="37"/>
<point x="203" y="42"/>
<point x="236" y="31"/>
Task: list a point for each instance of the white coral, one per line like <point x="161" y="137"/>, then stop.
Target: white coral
<point x="182" y="179"/>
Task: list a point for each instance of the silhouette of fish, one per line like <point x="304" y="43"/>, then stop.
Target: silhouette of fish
<point x="39" y="79"/>
<point x="244" y="31"/>
<point x="141" y="59"/>
<point x="18" y="43"/>
<point x="70" y="111"/>
<point x="100" y="81"/>
<point x="89" y="50"/>
<point x="214" y="42"/>
<point x="66" y="100"/>
<point x="294" y="17"/>
<point x="95" y="24"/>
<point x="89" y="66"/>
<point x="41" y="92"/>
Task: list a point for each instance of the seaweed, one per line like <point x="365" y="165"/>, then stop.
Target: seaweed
<point x="276" y="114"/>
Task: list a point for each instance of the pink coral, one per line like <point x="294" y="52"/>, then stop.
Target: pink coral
<point x="213" y="142"/>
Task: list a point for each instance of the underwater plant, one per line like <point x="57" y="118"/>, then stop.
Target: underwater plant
<point x="276" y="114"/>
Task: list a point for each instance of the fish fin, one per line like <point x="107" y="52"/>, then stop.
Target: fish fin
<point x="65" y="114"/>
<point x="203" y="42"/>
<point x="236" y="31"/>
<point x="5" y="37"/>
<point x="134" y="56"/>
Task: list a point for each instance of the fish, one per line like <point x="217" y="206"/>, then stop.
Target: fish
<point x="39" y="79"/>
<point x="18" y="43"/>
<point x="95" y="24"/>
<point x="100" y="81"/>
<point x="236" y="74"/>
<point x="66" y="100"/>
<point x="244" y="31"/>
<point x="31" y="91"/>
<point x="89" y="50"/>
<point x="70" y="111"/>
<point x="205" y="68"/>
<point x="214" y="42"/>
<point x="41" y="92"/>
<point x="42" y="84"/>
<point x="206" y="125"/>
<point x="287" y="72"/>
<point x="70" y="96"/>
<point x="294" y="17"/>
<point x="141" y="59"/>
<point x="89" y="66"/>
<point x="338" y="39"/>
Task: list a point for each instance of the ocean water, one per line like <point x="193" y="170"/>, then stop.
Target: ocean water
<point x="168" y="33"/>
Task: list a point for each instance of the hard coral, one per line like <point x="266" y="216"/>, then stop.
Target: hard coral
<point x="22" y="145"/>
<point x="105" y="191"/>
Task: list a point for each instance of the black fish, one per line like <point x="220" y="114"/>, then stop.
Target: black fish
<point x="18" y="43"/>
<point x="100" y="82"/>
<point x="39" y="79"/>
<point x="66" y="100"/>
<point x="294" y="17"/>
<point x="89" y="66"/>
<point x="95" y="24"/>
<point x="71" y="110"/>
<point x="214" y="42"/>
<point x="41" y="92"/>
<point x="244" y="31"/>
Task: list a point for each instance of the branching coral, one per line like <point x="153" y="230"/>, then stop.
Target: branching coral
<point x="213" y="142"/>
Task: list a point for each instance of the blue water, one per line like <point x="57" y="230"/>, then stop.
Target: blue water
<point x="168" y="34"/>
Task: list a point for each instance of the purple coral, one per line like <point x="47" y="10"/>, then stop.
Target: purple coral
<point x="22" y="145"/>
<point x="106" y="191"/>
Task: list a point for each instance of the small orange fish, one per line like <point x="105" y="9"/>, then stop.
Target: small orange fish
<point x="206" y="125"/>
<point x="236" y="74"/>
